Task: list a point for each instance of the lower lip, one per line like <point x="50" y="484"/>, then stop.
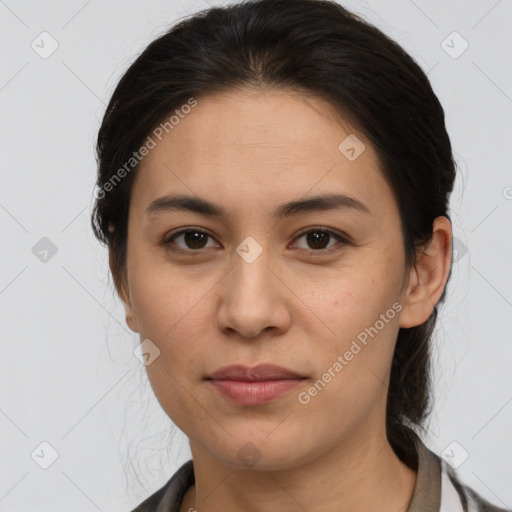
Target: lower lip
<point x="256" y="392"/>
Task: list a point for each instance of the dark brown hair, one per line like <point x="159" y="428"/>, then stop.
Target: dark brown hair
<point x="307" y="45"/>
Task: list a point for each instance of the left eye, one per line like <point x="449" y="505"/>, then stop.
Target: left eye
<point x="195" y="239"/>
<point x="318" y="238"/>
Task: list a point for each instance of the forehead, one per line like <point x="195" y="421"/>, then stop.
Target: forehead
<point x="276" y="123"/>
<point x="262" y="145"/>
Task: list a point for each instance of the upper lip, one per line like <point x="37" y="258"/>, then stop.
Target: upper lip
<point x="257" y="373"/>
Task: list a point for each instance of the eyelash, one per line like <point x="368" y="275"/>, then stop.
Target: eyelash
<point x="168" y="240"/>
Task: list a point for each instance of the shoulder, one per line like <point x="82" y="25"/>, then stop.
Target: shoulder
<point x="150" y="504"/>
<point x="439" y="487"/>
<point x="470" y="499"/>
<point x="170" y="496"/>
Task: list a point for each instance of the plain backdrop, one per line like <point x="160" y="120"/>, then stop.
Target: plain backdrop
<point x="73" y="397"/>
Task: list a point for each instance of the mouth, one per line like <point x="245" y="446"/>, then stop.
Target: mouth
<point x="254" y="386"/>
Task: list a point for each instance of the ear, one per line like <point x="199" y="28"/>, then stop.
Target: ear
<point x="428" y="277"/>
<point x="123" y="293"/>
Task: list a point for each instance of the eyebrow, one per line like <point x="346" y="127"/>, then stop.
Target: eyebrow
<point x="317" y="203"/>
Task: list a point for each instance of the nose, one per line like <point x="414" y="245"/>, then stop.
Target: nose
<point x="254" y="298"/>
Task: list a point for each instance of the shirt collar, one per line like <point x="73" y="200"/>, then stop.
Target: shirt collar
<point x="426" y="496"/>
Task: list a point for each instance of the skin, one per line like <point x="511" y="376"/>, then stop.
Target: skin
<point x="250" y="151"/>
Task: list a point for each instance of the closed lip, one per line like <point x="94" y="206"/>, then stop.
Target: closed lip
<point x="262" y="372"/>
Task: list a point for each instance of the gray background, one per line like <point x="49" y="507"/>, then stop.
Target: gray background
<point x="68" y="374"/>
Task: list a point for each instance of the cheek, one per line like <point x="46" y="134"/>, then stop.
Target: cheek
<point x="174" y="309"/>
<point x="352" y="302"/>
<point x="172" y="315"/>
<point x="163" y="296"/>
<point x="361" y="311"/>
<point x="353" y="372"/>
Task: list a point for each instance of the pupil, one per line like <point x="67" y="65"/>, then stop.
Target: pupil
<point x="191" y="239"/>
<point x="317" y="236"/>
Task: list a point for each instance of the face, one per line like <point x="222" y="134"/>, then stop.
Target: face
<point x="316" y="289"/>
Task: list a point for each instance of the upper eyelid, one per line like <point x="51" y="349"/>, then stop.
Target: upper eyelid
<point x="337" y="233"/>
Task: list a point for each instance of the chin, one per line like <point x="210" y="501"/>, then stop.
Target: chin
<point x="264" y="452"/>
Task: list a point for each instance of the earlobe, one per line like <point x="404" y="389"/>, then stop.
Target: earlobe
<point x="123" y="293"/>
<point x="428" y="277"/>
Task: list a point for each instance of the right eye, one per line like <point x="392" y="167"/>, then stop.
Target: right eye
<point x="194" y="240"/>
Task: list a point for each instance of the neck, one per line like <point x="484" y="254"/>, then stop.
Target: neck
<point x="359" y="475"/>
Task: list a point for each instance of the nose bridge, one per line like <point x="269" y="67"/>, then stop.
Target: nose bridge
<point x="251" y="275"/>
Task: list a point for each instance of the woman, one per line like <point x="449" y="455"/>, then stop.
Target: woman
<point x="273" y="186"/>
